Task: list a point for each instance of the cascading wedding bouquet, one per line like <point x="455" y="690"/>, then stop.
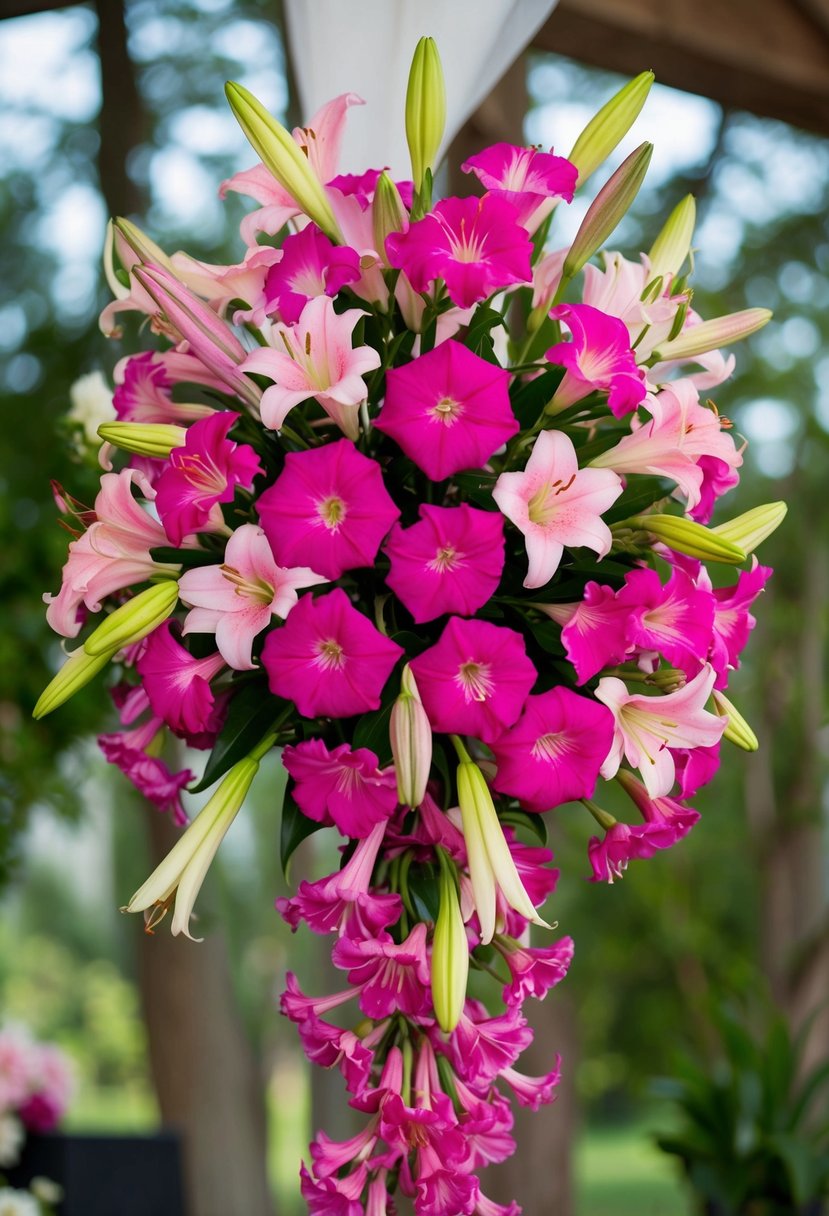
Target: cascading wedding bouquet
<point x="424" y="505"/>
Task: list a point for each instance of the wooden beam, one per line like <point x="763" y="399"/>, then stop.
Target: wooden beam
<point x="767" y="56"/>
<point x="25" y="8"/>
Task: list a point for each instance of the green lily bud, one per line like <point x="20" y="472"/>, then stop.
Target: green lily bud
<point x="425" y="109"/>
<point x="283" y="157"/>
<point x="76" y="672"/>
<point x="156" y="439"/>
<point x="134" y="620"/>
<point x="738" y="730"/>
<point x="670" y="249"/>
<point x="450" y="951"/>
<point x="708" y="335"/>
<point x="607" y="209"/>
<point x="388" y="214"/>
<point x="687" y="537"/>
<point x="609" y="127"/>
<point x="752" y="527"/>
<point x="410" y="733"/>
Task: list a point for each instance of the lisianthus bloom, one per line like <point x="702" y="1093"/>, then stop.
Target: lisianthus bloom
<point x="648" y="727"/>
<point x="113" y="553"/>
<point x="554" y="751"/>
<point x="391" y="977"/>
<point x="449" y="562"/>
<point x="238" y="599"/>
<point x="527" y="178"/>
<point x="342" y="786"/>
<point x="328" y="658"/>
<point x="143" y="392"/>
<point x="474" y="244"/>
<point x="449" y="410"/>
<point x="315" y="358"/>
<point x="203" y="473"/>
<point x="310" y="266"/>
<point x="598" y="356"/>
<point x="328" y="507"/>
<point x="475" y="679"/>
<point x="176" y="683"/>
<point x="555" y="503"/>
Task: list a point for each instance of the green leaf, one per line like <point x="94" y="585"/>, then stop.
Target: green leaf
<point x="294" y="828"/>
<point x="372" y="731"/>
<point x="478" y="336"/>
<point x="185" y="557"/>
<point x="252" y="713"/>
<point x="529" y="399"/>
<point x="642" y="492"/>
<point x="424" y="891"/>
<point x="535" y="824"/>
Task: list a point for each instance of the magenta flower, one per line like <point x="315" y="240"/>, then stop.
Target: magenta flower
<point x="328" y="507"/>
<point x="474" y="244"/>
<point x="475" y="679"/>
<point x="675" y="619"/>
<point x="449" y="410"/>
<point x="449" y="562"/>
<point x="481" y="1046"/>
<point x="310" y="266"/>
<point x="598" y="357"/>
<point x="624" y="842"/>
<point x="533" y="1092"/>
<point x="732" y="620"/>
<point x="315" y="358"/>
<point x="144" y="393"/>
<point x="150" y="776"/>
<point x="177" y="684"/>
<point x="238" y="599"/>
<point x="329" y="1046"/>
<point x="554" y="751"/>
<point x="391" y="977"/>
<point x="527" y="178"/>
<point x="666" y="813"/>
<point x="555" y="503"/>
<point x="328" y="658"/>
<point x="341" y="786"/>
<point x="534" y="970"/>
<point x="717" y="479"/>
<point x="203" y="473"/>
<point x="594" y="637"/>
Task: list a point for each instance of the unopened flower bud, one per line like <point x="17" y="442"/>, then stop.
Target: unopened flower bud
<point x="76" y="672"/>
<point x="670" y="249"/>
<point x="141" y="248"/>
<point x="388" y="214"/>
<point x="752" y="527"/>
<point x="607" y="209"/>
<point x="450" y="951"/>
<point x="425" y="109"/>
<point x="411" y="742"/>
<point x="609" y="127"/>
<point x="155" y="439"/>
<point x="709" y="335"/>
<point x="685" y="536"/>
<point x="134" y="620"/>
<point x="283" y="157"/>
<point x="738" y="730"/>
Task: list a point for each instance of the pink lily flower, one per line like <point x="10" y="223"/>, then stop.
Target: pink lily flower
<point x="648" y="727"/>
<point x="239" y="599"/>
<point x="534" y="970"/>
<point x="598" y="356"/>
<point x="676" y="618"/>
<point x="391" y="977"/>
<point x="311" y="265"/>
<point x="221" y="285"/>
<point x="318" y="361"/>
<point x="143" y="392"/>
<point x="617" y="290"/>
<point x="530" y="180"/>
<point x="732" y="620"/>
<point x="555" y="503"/>
<point x="594" y="635"/>
<point x="481" y="1046"/>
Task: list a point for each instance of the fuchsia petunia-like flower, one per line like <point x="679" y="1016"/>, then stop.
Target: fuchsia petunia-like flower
<point x="328" y="507"/>
<point x="594" y="635"/>
<point x="676" y="618"/>
<point x="451" y="561"/>
<point x="238" y="599"/>
<point x="598" y="356"/>
<point x="341" y="786"/>
<point x="554" y="751"/>
<point x="328" y="658"/>
<point x="449" y="410"/>
<point x="555" y="503"/>
<point x="202" y="474"/>
<point x="474" y="244"/>
<point x="527" y="178"/>
<point x="310" y="266"/>
<point x="475" y="679"/>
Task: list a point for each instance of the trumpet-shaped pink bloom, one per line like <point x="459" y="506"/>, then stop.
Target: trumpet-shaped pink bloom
<point x="203" y="473"/>
<point x="449" y="562"/>
<point x="221" y="286"/>
<point x="449" y="410"/>
<point x="598" y="356"/>
<point x="666" y="813"/>
<point x="342" y="786"/>
<point x="391" y="977"/>
<point x="475" y="679"/>
<point x="535" y="970"/>
<point x="594" y="637"/>
<point x="617" y="290"/>
<point x="328" y="658"/>
<point x="126" y="749"/>
<point x="333" y="1196"/>
<point x="554" y="751"/>
<point x="329" y="507"/>
<point x="675" y="619"/>
<point x="315" y="358"/>
<point x="177" y="684"/>
<point x="474" y="244"/>
<point x="533" y="1092"/>
<point x="732" y="620"/>
<point x="113" y="553"/>
<point x="717" y="479"/>
<point x="648" y="727"/>
<point x="481" y="1045"/>
<point x="555" y="503"/>
<point x="238" y="599"/>
<point x="624" y="842"/>
<point x="527" y="178"/>
<point x="144" y="393"/>
<point x="311" y="265"/>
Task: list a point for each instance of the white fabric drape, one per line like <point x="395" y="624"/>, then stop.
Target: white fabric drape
<point x="366" y="47"/>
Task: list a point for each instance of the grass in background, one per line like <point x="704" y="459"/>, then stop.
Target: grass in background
<point x="620" y="1172"/>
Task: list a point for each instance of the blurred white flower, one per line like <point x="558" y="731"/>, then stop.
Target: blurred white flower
<point x="12" y="1136"/>
<point x="91" y="399"/>
<point x="18" y="1203"/>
